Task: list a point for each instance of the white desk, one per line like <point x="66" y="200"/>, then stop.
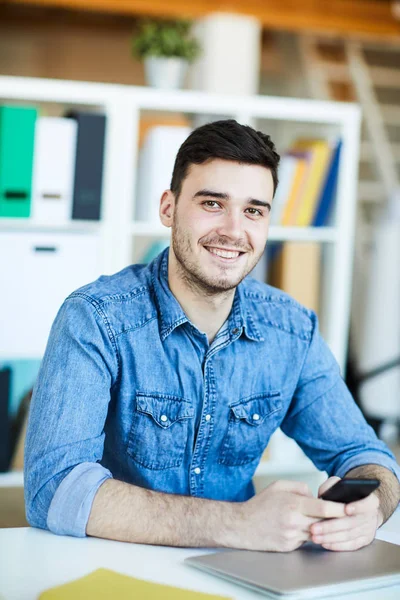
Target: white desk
<point x="32" y="560"/>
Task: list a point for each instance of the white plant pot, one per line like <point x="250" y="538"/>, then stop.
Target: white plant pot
<point x="165" y="73"/>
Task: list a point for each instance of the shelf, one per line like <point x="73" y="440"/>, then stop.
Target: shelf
<point x="276" y="233"/>
<point x="33" y="89"/>
<point x="300" y="234"/>
<point x="12" y="479"/>
<point x="123" y="106"/>
<point x="27" y="224"/>
<point x="285" y="234"/>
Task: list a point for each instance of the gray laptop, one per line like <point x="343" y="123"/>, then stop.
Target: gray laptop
<point x="309" y="572"/>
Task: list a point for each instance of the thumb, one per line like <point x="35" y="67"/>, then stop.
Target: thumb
<point x="327" y="484"/>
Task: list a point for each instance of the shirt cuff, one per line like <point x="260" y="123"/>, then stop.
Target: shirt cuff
<point x="71" y="504"/>
<point x="368" y="458"/>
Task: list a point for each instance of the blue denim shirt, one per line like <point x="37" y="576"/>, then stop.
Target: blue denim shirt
<point x="129" y="388"/>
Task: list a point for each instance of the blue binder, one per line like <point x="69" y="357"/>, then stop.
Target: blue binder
<point x="86" y="203"/>
<point x="328" y="191"/>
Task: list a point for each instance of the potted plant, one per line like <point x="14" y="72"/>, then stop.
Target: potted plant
<point x="167" y="48"/>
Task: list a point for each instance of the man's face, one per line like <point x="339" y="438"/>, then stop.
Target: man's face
<point x="220" y="222"/>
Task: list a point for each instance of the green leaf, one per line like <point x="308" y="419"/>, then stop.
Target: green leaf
<point x="157" y="37"/>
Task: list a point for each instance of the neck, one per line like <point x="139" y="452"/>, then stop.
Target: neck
<point x="207" y="311"/>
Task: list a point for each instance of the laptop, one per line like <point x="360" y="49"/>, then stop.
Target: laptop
<point x="309" y="572"/>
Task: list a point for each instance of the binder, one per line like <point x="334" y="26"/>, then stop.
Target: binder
<point x="53" y="169"/>
<point x="86" y="203"/>
<point x="296" y="271"/>
<point x="5" y="384"/>
<point x="287" y="170"/>
<point x="300" y="173"/>
<point x="328" y="193"/>
<point x="50" y="265"/>
<point x="320" y="153"/>
<point x="17" y="130"/>
<point x="156" y="163"/>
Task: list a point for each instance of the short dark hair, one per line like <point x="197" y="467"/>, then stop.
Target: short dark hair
<point x="229" y="140"/>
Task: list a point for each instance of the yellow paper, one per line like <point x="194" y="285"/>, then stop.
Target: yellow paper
<point x="104" y="584"/>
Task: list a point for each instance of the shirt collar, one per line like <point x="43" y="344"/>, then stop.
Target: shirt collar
<point x="172" y="315"/>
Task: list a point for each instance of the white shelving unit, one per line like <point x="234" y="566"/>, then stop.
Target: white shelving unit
<point x="284" y="118"/>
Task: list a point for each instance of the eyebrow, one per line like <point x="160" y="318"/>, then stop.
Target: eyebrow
<point x="223" y="196"/>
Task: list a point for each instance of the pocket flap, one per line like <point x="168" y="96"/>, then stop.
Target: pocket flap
<point x="255" y="409"/>
<point x="164" y="409"/>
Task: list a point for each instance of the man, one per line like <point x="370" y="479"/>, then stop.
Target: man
<point x="161" y="385"/>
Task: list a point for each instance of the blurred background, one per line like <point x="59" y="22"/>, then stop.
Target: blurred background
<point x="96" y="97"/>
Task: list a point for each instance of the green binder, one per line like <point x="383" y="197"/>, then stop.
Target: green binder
<point x="17" y="131"/>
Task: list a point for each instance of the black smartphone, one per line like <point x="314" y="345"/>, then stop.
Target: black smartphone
<point x="350" y="490"/>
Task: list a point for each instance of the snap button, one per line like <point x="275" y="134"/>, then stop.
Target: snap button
<point x="164" y="418"/>
<point x="208" y="417"/>
<point x="235" y="330"/>
<point x="197" y="470"/>
<point x="256" y="417"/>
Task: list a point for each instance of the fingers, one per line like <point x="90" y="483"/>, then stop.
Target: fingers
<point x="323" y="509"/>
<point x="340" y="536"/>
<point x="348" y="546"/>
<point x="327" y="484"/>
<point x="292" y="539"/>
<point x="298" y="522"/>
<point x="370" y="504"/>
<point x="332" y="526"/>
<point x="331" y="533"/>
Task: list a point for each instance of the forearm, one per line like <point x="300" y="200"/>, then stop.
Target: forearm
<point x="128" y="513"/>
<point x="388" y="491"/>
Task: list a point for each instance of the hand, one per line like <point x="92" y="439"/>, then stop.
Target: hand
<point x="327" y="484"/>
<point x="279" y="518"/>
<point x="353" y="531"/>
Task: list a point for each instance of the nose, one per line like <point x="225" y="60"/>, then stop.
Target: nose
<point x="231" y="225"/>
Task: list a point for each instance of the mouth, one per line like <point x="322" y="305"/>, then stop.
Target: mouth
<point x="224" y="255"/>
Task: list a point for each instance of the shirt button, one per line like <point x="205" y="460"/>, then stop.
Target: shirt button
<point x="164" y="418"/>
<point x="256" y="417"/>
<point x="208" y="417"/>
<point x="197" y="470"/>
<point x="235" y="331"/>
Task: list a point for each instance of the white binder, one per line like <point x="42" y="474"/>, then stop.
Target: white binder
<point x="53" y="169"/>
<point x="38" y="272"/>
<point x="156" y="163"/>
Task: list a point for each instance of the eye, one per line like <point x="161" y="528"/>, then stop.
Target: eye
<point x="211" y="204"/>
<point x="255" y="212"/>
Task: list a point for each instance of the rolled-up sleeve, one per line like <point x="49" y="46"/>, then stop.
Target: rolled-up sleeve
<point x="326" y="422"/>
<point x="65" y="436"/>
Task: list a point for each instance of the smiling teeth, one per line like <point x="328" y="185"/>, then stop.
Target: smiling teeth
<point x="224" y="253"/>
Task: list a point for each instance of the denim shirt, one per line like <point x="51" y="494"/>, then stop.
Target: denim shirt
<point x="129" y="388"/>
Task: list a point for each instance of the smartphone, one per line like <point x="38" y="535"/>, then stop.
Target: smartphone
<point x="350" y="490"/>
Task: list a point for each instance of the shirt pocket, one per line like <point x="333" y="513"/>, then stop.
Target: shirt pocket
<point x="159" y="431"/>
<point x="251" y="423"/>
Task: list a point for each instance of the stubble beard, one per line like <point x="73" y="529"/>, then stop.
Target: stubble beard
<point x="191" y="272"/>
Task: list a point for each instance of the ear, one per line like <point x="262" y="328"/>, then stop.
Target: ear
<point x="167" y="206"/>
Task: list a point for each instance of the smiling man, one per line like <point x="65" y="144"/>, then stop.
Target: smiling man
<point x="162" y="384"/>
<point x="219" y="232"/>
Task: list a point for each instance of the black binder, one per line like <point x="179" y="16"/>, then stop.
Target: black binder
<point x="89" y="158"/>
<point x="5" y="379"/>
